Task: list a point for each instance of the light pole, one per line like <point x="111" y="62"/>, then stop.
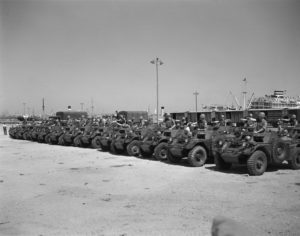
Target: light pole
<point x="81" y="104"/>
<point x="24" y="108"/>
<point x="196" y="95"/>
<point x="157" y="63"/>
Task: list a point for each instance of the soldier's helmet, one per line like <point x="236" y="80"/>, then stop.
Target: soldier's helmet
<point x="294" y="116"/>
<point x="261" y="115"/>
<point x="202" y="116"/>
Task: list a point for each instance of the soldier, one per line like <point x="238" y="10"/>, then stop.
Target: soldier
<point x="250" y="121"/>
<point x="202" y="123"/>
<point x="261" y="124"/>
<point x="4" y="129"/>
<point x="293" y="120"/>
<point x="169" y="122"/>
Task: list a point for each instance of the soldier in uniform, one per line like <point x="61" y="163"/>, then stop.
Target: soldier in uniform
<point x="202" y="123"/>
<point x="169" y="122"/>
<point x="261" y="124"/>
<point x="4" y="129"/>
<point x="250" y="121"/>
<point x="293" y="120"/>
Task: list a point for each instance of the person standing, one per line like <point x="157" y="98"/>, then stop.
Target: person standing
<point x="4" y="129"/>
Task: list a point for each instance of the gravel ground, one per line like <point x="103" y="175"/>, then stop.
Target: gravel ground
<point x="55" y="190"/>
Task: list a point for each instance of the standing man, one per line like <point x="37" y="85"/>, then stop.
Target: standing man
<point x="4" y="129"/>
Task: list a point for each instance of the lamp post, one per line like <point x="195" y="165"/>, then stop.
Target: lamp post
<point x="157" y="63"/>
<point x="196" y="95"/>
<point x="24" y="108"/>
<point x="81" y="104"/>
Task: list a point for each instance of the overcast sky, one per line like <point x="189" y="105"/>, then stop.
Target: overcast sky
<point x="72" y="51"/>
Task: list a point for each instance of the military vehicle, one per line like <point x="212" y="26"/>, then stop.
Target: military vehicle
<point x="126" y="139"/>
<point x="106" y="137"/>
<point x="89" y="138"/>
<point x="69" y="134"/>
<point x="258" y="151"/>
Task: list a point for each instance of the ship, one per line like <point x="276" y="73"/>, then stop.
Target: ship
<point x="277" y="100"/>
<point x="275" y="106"/>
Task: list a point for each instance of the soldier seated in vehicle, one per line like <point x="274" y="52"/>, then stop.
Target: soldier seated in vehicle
<point x="293" y="120"/>
<point x="261" y="125"/>
<point x="202" y="123"/>
<point x="249" y="122"/>
<point x="169" y="122"/>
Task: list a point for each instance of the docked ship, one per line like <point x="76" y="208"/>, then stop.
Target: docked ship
<point x="278" y="100"/>
<point x="275" y="106"/>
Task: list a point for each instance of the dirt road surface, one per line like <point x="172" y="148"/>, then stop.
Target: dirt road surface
<point x="56" y="190"/>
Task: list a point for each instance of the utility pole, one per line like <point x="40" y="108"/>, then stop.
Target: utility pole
<point x="43" y="108"/>
<point x="92" y="107"/>
<point x="24" y="108"/>
<point x="196" y="102"/>
<point x="157" y="62"/>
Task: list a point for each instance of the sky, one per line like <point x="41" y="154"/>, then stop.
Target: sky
<point x="71" y="52"/>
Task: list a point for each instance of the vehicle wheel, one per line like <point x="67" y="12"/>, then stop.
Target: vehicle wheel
<point x="257" y="163"/>
<point x="220" y="163"/>
<point x="197" y="156"/>
<point x="294" y="163"/>
<point x="280" y="151"/>
<point x="96" y="142"/>
<point x="173" y="159"/>
<point x="133" y="148"/>
<point x="77" y="141"/>
<point x="61" y="140"/>
<point x="161" y="152"/>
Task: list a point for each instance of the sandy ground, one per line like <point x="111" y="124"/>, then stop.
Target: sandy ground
<point x="55" y="190"/>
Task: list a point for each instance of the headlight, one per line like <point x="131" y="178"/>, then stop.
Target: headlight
<point x="247" y="138"/>
<point x="142" y="137"/>
<point x="186" y="140"/>
<point x="220" y="143"/>
<point x="171" y="139"/>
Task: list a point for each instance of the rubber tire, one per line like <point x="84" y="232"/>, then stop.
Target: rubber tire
<point x="77" y="142"/>
<point x="96" y="142"/>
<point x="61" y="140"/>
<point x="220" y="163"/>
<point x="257" y="163"/>
<point x="161" y="152"/>
<point x="295" y="162"/>
<point x="133" y="148"/>
<point x="280" y="157"/>
<point x="193" y="160"/>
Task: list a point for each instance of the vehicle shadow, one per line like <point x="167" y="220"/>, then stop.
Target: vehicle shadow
<point x="242" y="169"/>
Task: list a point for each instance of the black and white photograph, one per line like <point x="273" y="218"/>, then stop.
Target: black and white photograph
<point x="150" y="117"/>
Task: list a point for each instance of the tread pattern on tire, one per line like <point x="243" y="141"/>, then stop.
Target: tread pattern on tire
<point x="158" y="149"/>
<point x="191" y="156"/>
<point x="252" y="162"/>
